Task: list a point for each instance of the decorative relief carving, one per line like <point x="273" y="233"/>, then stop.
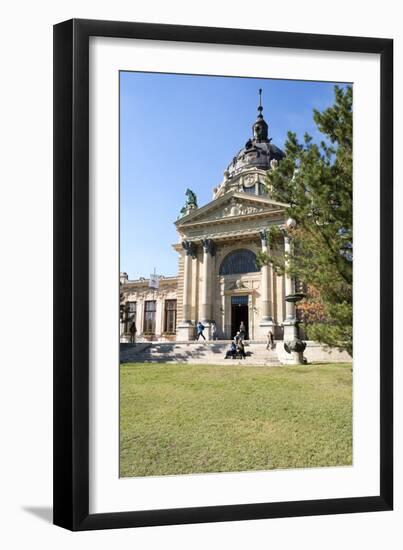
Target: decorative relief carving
<point x="237" y="285"/>
<point x="238" y="209"/>
<point x="235" y="208"/>
<point x="236" y="229"/>
<point x="249" y="180"/>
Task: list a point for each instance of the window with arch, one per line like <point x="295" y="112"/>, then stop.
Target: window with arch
<point x="250" y="190"/>
<point x="239" y="261"/>
<point x="170" y="316"/>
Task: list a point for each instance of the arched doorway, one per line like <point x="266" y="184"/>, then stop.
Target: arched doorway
<point x="239" y="262"/>
<point x="239" y="314"/>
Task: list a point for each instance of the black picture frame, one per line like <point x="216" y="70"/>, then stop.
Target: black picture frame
<point x="71" y="274"/>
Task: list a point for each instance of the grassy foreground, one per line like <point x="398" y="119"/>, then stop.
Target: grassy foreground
<point x="178" y="419"/>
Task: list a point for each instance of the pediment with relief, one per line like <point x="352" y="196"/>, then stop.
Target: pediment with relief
<point x="234" y="206"/>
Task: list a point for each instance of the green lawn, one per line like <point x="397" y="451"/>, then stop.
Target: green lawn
<point x="178" y="419"/>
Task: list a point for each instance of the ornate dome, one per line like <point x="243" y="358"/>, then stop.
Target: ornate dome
<point x="258" y="151"/>
<point x="255" y="154"/>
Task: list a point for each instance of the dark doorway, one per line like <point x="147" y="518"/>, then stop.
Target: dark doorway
<point x="239" y="313"/>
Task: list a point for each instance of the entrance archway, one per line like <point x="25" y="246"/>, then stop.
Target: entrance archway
<point x="239" y="313"/>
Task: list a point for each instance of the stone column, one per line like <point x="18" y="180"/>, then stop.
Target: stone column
<point x="140" y="317"/>
<point x="122" y="313"/>
<point x="266" y="283"/>
<point x="159" y="317"/>
<point x="124" y="337"/>
<point x="289" y="281"/>
<point x="208" y="253"/>
<point x="266" y="320"/>
<point x="292" y="354"/>
<point x="187" y="279"/>
<point x="185" y="330"/>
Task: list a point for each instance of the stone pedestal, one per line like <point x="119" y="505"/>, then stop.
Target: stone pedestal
<point x="263" y="329"/>
<point x="185" y="332"/>
<point x="207" y="331"/>
<point x="290" y="330"/>
<point x="294" y="356"/>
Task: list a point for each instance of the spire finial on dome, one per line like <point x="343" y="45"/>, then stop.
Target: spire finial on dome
<point x="260" y="108"/>
<point x="260" y="128"/>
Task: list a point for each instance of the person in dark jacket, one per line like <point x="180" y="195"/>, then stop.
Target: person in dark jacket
<point x="200" y="329"/>
<point x="133" y="331"/>
<point x="241" y="349"/>
<point x="231" y="352"/>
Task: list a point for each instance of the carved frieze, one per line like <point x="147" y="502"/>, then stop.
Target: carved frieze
<point x="235" y="229"/>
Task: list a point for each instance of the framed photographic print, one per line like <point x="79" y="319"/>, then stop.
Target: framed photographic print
<point x="223" y="303"/>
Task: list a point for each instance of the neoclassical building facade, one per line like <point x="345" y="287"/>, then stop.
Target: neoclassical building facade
<point x="218" y="278"/>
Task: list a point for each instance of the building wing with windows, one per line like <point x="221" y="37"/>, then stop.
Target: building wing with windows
<point x="154" y="311"/>
<point x="218" y="278"/>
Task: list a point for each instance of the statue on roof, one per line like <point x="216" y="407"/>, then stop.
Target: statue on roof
<point x="190" y="204"/>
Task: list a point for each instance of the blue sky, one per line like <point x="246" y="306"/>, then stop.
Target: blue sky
<point x="179" y="131"/>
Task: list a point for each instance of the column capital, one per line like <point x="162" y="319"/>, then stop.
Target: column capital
<point x="189" y="248"/>
<point x="263" y="234"/>
<point x="286" y="234"/>
<point x="287" y="229"/>
<point x="208" y="246"/>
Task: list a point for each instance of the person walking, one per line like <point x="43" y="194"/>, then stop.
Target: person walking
<point x="133" y="331"/>
<point x="214" y="331"/>
<point x="237" y="337"/>
<point x="200" y="329"/>
<point x="242" y="330"/>
<point x="270" y="340"/>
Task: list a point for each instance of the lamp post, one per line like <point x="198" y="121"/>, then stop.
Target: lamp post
<point x="293" y="345"/>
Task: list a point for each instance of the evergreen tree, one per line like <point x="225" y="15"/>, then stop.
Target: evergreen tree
<point x="316" y="182"/>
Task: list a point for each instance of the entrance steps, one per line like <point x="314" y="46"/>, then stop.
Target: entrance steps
<point x="207" y="353"/>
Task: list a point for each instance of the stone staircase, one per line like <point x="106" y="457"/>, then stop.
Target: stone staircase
<point x="208" y="353"/>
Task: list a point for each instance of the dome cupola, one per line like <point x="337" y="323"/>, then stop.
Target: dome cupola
<point x="248" y="168"/>
<point x="258" y="152"/>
